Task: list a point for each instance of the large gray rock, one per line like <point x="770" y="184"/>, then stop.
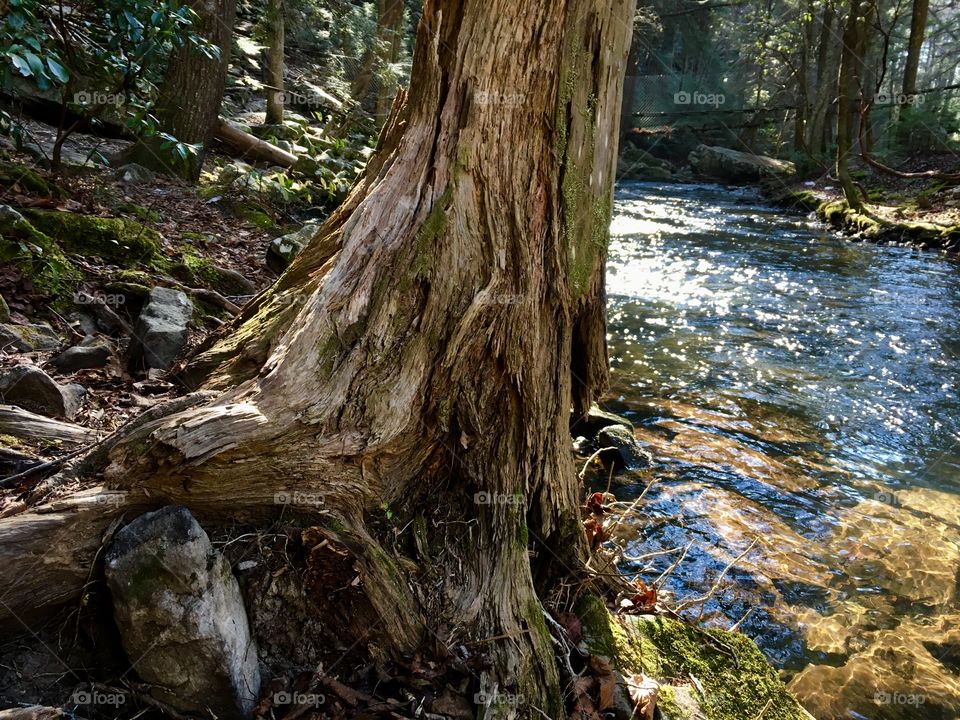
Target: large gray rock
<point x="161" y="329"/>
<point x="733" y="166"/>
<point x="181" y="617"/>
<point x="284" y="249"/>
<point x="32" y="389"/>
<point x="133" y="174"/>
<point x="626" y="450"/>
<point x="28" y="338"/>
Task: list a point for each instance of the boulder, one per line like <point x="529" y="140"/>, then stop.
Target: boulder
<point x="733" y="166"/>
<point x="133" y="174"/>
<point x="32" y="389"/>
<point x="161" y="330"/>
<point x="28" y="338"/>
<point x="181" y="616"/>
<point x="626" y="450"/>
<point x="91" y="353"/>
<point x="284" y="249"/>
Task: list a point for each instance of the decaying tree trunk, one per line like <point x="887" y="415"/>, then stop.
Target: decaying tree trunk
<point x="251" y="147"/>
<point x="423" y="354"/>
<point x="191" y="94"/>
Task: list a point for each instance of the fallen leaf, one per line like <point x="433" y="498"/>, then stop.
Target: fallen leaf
<point x="643" y="691"/>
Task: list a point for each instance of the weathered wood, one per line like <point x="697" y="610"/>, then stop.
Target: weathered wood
<point x="25" y="425"/>
<point x="423" y="353"/>
<point x="251" y="147"/>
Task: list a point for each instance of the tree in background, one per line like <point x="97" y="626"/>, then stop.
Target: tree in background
<point x="274" y="37"/>
<point x="191" y="94"/>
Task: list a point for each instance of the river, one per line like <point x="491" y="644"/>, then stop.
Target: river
<point x="800" y="391"/>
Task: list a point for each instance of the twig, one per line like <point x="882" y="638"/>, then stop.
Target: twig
<point x="703" y="598"/>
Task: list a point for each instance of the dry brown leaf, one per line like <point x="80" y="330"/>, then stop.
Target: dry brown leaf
<point x="643" y="691"/>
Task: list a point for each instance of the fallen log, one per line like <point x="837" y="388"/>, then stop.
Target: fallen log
<point x="251" y="147"/>
<point x="20" y="423"/>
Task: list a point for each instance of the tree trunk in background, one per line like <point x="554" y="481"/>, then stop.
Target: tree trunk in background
<point x="849" y="82"/>
<point x="274" y="69"/>
<point x="918" y="26"/>
<point x="627" y="121"/>
<point x="803" y="80"/>
<point x="824" y="95"/>
<point x="390" y="42"/>
<point x="191" y="94"/>
<point x="424" y="352"/>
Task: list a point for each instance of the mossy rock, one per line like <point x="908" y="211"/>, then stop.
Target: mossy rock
<point x="841" y="216"/>
<point x="118" y="240"/>
<point x="252" y="214"/>
<point x="38" y="258"/>
<point x="12" y="174"/>
<point x="138" y="211"/>
<point x="670" y="650"/>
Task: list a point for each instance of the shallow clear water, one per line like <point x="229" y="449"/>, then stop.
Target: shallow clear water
<point x="803" y="390"/>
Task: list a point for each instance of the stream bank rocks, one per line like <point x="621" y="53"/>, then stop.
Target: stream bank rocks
<point x="720" y="163"/>
<point x="181" y="616"/>
<point x="702" y="674"/>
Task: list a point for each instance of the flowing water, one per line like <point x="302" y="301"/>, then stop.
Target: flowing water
<point x="801" y="392"/>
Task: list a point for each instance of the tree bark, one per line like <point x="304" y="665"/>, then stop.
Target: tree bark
<point x="274" y="69"/>
<point x="424" y="352"/>
<point x="191" y="94"/>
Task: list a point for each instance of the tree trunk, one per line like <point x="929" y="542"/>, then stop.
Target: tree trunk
<point x="850" y="83"/>
<point x="827" y="56"/>
<point x="389" y="41"/>
<point x="251" y="147"/>
<point x="918" y="26"/>
<point x="191" y="94"/>
<point x="274" y="69"/>
<point x="424" y="352"/>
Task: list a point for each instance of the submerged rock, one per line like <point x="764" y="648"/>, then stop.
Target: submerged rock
<point x="626" y="450"/>
<point x="32" y="389"/>
<point x="161" y="330"/>
<point x="181" y="617"/>
<point x="595" y="421"/>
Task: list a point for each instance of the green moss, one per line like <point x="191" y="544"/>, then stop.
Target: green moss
<point x="433" y="228"/>
<point x="252" y="214"/>
<point x="38" y="258"/>
<point x="140" y="212"/>
<point x="118" y="240"/>
<point x="12" y="174"/>
<point x="669" y="650"/>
